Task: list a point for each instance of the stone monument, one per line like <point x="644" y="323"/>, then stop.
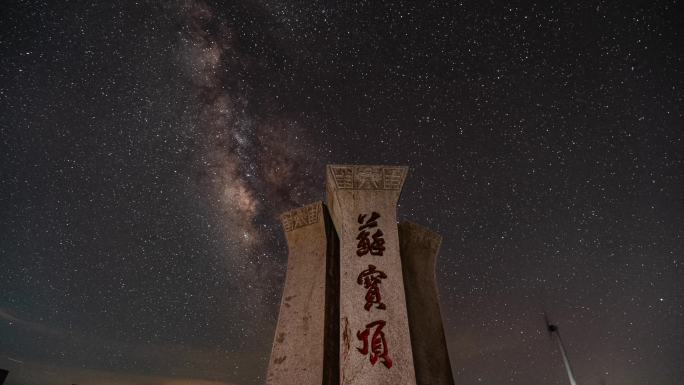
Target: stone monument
<point x="419" y="247"/>
<point x="306" y="331"/>
<point x="360" y="302"/>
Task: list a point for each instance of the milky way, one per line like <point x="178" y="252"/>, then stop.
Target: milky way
<point x="148" y="148"/>
<point x="251" y="159"/>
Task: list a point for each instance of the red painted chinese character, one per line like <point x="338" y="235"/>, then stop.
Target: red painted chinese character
<point x="377" y="246"/>
<point x="370" y="279"/>
<point x="378" y="344"/>
<point x="371" y="222"/>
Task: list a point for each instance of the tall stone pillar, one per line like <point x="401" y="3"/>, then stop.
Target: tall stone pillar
<point x="419" y="247"/>
<point x="305" y="348"/>
<point x="375" y="346"/>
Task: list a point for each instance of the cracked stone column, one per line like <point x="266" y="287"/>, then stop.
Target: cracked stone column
<point x="419" y="248"/>
<point x="375" y="345"/>
<point x="305" y="347"/>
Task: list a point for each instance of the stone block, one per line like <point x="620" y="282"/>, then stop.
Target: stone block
<point x="305" y="347"/>
<point x="419" y="248"/>
<point x="375" y="345"/>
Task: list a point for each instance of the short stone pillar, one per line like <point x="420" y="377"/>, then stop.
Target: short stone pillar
<point x="419" y="248"/>
<point x="305" y="345"/>
<point x="375" y="345"/>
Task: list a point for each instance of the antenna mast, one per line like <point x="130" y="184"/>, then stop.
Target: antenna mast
<point x="553" y="330"/>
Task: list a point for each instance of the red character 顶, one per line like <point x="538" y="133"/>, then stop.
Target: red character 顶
<point x="376" y="247"/>
<point x="378" y="344"/>
<point x="370" y="279"/>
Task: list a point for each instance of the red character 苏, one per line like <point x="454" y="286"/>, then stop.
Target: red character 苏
<point x="365" y="245"/>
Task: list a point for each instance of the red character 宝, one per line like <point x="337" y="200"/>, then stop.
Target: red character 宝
<point x="378" y="344"/>
<point x="370" y="279"/>
<point x="376" y="247"/>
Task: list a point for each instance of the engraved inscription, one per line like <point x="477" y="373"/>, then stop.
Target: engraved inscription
<point x="371" y="279"/>
<point x="344" y="177"/>
<point x="301" y="217"/>
<point x="375" y="346"/>
<point x="365" y="245"/>
<point x="393" y="178"/>
<point x="368" y="177"/>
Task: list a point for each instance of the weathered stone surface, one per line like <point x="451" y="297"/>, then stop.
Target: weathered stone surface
<point x="299" y="355"/>
<point x="419" y="248"/>
<point x="354" y="194"/>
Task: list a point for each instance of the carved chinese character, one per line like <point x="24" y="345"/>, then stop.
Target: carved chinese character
<point x="371" y="222"/>
<point x="370" y="279"/>
<point x="376" y="247"/>
<point x="301" y="217"/>
<point x="368" y="178"/>
<point x="344" y="177"/>
<point x="378" y="344"/>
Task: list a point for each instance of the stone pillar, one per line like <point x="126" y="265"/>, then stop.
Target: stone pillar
<point x="419" y="247"/>
<point x="375" y="346"/>
<point x="305" y="348"/>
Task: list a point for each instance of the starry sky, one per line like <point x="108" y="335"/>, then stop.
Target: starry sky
<point x="147" y="148"/>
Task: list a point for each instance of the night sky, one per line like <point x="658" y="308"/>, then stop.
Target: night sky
<point x="147" y="149"/>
